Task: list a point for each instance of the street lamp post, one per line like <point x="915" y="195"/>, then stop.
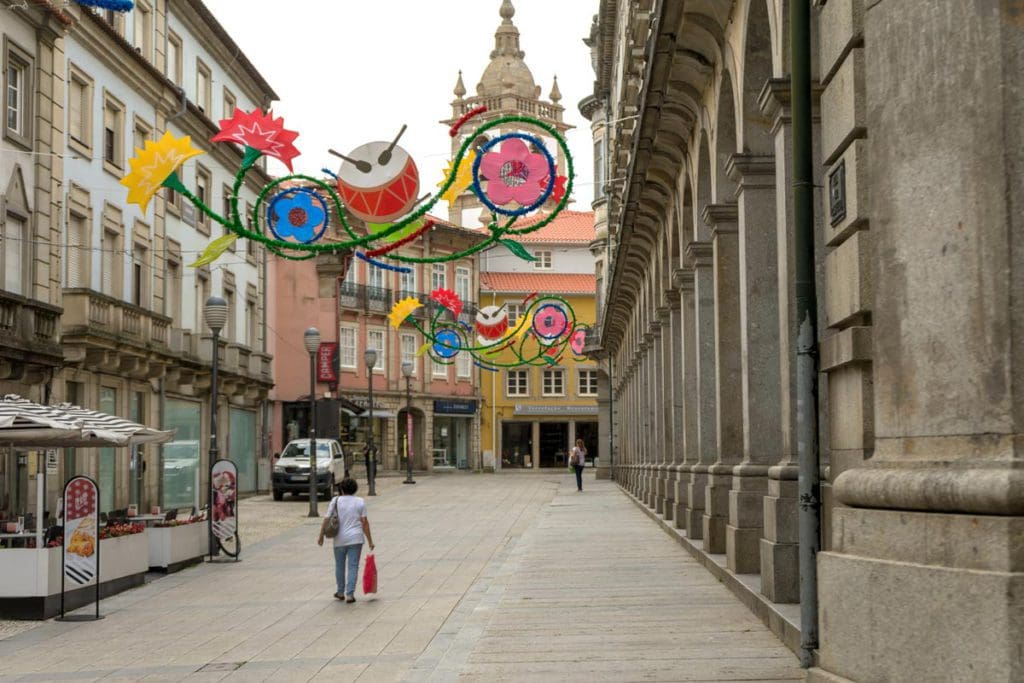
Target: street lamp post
<point x="407" y="367"/>
<point x="215" y="312"/>
<point x="311" y="339"/>
<point x="370" y="356"/>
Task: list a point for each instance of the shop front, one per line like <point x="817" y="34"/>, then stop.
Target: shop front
<point x="543" y="435"/>
<point x="452" y="433"/>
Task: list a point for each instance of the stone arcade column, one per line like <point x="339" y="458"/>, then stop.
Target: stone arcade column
<point x="663" y="406"/>
<point x="674" y="399"/>
<point x="759" y="342"/>
<point x="653" y="383"/>
<point x="604" y="422"/>
<point x="925" y="577"/>
<point x="780" y="572"/>
<point x="721" y="218"/>
<point x="705" y="398"/>
<point x="687" y="354"/>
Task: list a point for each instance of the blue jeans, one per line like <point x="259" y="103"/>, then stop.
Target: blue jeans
<point x="579" y="476"/>
<point x="347" y="554"/>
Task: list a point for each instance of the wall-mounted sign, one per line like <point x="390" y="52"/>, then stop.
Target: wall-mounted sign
<point x="455" y="407"/>
<point x="51" y="462"/>
<point x="325" y="362"/>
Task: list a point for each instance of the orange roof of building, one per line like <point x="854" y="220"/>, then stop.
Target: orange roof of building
<point x="542" y="283"/>
<point x="568" y="227"/>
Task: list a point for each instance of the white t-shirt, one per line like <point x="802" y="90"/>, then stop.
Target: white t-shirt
<point x="581" y="456"/>
<point x="351" y="511"/>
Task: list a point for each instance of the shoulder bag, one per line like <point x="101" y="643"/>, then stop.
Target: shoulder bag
<point x="333" y="524"/>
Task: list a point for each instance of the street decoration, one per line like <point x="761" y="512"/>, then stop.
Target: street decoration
<point x="512" y="174"/>
<point x="116" y="5"/>
<point x="543" y="333"/>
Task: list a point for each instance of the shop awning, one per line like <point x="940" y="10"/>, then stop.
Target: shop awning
<point x="25" y="424"/>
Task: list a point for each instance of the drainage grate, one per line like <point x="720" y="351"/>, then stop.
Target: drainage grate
<point x="221" y="666"/>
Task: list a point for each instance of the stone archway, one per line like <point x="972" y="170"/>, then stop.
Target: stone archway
<point x="421" y="457"/>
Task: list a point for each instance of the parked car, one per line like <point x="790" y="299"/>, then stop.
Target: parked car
<point x="291" y="471"/>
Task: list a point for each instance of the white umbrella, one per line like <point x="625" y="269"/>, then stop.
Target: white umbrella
<point x="23" y="422"/>
<point x="26" y="424"/>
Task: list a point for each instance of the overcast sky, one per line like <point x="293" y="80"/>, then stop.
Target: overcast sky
<point x="353" y="71"/>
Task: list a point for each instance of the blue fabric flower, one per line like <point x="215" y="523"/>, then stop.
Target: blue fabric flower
<point x="298" y="214"/>
<point x="116" y="5"/>
<point x="447" y="344"/>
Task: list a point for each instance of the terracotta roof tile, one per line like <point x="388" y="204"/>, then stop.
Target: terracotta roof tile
<point x="569" y="227"/>
<point x="542" y="283"/>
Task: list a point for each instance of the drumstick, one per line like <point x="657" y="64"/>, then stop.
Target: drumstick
<point x="385" y="156"/>
<point x="361" y="165"/>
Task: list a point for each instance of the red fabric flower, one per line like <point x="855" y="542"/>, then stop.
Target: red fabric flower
<point x="448" y="299"/>
<point x="558" y="191"/>
<point x="261" y="132"/>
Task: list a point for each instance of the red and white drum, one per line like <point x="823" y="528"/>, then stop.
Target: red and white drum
<point x="376" y="192"/>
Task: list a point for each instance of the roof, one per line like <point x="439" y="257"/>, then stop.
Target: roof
<point x="542" y="283"/>
<point x="569" y="227"/>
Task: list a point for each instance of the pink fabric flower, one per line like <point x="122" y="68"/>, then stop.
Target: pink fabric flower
<point x="514" y="173"/>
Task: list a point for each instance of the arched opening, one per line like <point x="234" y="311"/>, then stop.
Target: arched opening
<point x="757" y="69"/>
<point x="725" y="140"/>
<point x="416" y="444"/>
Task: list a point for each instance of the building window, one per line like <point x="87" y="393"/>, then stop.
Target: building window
<point x="407" y="283"/>
<point x="375" y="340"/>
<point x="409" y="350"/>
<point x="203" y="88"/>
<point x="140" y="133"/>
<point x="142" y="17"/>
<point x="347" y="347"/>
<point x="376" y="279"/>
<point x="599" y="179"/>
<point x="514" y="311"/>
<point x="172" y="299"/>
<point x="554" y="382"/>
<point x="438" y="276"/>
<point x="439" y="369"/>
<point x="111" y="263"/>
<point x="462" y="283"/>
<point x="140" y="276"/>
<point x="15" y="248"/>
<point x="202" y="294"/>
<point x="587" y="383"/>
<point x="229" y="327"/>
<point x="173" y="67"/>
<point x="543" y="261"/>
<point x="252" y="322"/>
<point x="517" y="383"/>
<point x="204" y="183"/>
<point x="227" y="213"/>
<point x="17" y="95"/>
<point x="78" y="251"/>
<point x="113" y="135"/>
<point x="173" y="200"/>
<point x="463" y="365"/>
<point x="229" y="103"/>
<point x="80" y="110"/>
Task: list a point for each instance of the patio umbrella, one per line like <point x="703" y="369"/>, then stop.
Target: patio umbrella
<point x="23" y="422"/>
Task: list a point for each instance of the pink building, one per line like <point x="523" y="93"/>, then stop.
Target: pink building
<point x="349" y="305"/>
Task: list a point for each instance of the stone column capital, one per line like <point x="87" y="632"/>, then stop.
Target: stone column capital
<point x="700" y="254"/>
<point x="682" y="278"/>
<point x="775" y="101"/>
<point x="672" y="297"/>
<point x="751" y="171"/>
<point x="665" y="312"/>
<point x="717" y="216"/>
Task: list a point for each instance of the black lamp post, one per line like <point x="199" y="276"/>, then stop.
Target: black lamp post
<point x="311" y="340"/>
<point x="370" y="356"/>
<point x="215" y="312"/>
<point x="407" y="367"/>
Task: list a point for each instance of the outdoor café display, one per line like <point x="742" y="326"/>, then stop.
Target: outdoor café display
<point x="81" y="544"/>
<point x="540" y="336"/>
<point x="513" y="174"/>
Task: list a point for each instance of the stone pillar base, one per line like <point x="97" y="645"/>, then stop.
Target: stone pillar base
<point x="953" y="610"/>
<point x="780" y="558"/>
<point x="679" y="495"/>
<point x="603" y="472"/>
<point x="746" y="523"/>
<point x="695" y="505"/>
<point x="716" y="512"/>
<point x="659" y="490"/>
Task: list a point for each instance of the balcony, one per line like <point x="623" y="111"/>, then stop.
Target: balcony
<point x="28" y="330"/>
<point x="90" y="314"/>
<point x="364" y="298"/>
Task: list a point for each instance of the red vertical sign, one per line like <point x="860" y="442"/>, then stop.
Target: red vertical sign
<point x="325" y="362"/>
<point x="408" y="432"/>
<point x="81" y="530"/>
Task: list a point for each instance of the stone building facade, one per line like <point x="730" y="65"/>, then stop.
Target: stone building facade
<point x="109" y="286"/>
<point x="917" y="114"/>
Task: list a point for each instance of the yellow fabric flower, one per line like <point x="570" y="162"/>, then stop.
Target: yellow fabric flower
<point x="523" y="326"/>
<point x="214" y="249"/>
<point x="402" y="310"/>
<point x="463" y="177"/>
<point x="154" y="164"/>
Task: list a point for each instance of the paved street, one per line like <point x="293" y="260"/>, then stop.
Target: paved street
<point x="482" y="577"/>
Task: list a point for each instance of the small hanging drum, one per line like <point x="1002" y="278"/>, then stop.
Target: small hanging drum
<point x="375" y="192"/>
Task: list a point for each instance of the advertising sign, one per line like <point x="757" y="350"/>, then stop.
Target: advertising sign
<point x="81" y="530"/>
<point x="224" y="478"/>
<point x="51" y="462"/>
<point x="325" y="362"/>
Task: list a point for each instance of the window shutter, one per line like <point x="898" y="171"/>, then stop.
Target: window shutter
<point x="108" y="265"/>
<point x="76" y="240"/>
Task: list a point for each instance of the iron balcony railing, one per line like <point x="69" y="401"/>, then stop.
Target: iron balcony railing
<point x="380" y="300"/>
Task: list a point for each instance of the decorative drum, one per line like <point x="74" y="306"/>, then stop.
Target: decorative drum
<point x="382" y="192"/>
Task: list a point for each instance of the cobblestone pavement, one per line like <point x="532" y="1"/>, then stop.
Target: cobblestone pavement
<point x="483" y="577"/>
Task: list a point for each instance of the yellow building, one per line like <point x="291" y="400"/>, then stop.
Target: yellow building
<point x="531" y="416"/>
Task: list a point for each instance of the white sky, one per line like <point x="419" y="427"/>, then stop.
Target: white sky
<point x="353" y="71"/>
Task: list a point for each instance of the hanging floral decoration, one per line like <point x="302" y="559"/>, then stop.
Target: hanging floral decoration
<point x="543" y="333"/>
<point x="116" y="5"/>
<point x="513" y="175"/>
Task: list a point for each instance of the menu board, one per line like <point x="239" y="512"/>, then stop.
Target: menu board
<point x="81" y="530"/>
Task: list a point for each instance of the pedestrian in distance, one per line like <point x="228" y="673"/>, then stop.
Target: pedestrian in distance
<point x="578" y="458"/>
<point x="352" y="530"/>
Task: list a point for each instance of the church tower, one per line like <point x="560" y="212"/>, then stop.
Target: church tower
<point x="505" y="88"/>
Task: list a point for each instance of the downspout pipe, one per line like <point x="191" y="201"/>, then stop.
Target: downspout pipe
<point x="807" y="336"/>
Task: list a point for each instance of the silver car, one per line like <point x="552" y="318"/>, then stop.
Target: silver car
<point x="291" y="471"/>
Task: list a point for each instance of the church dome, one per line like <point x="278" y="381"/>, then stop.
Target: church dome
<point x="507" y="72"/>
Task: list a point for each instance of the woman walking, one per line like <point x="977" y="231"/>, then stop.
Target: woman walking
<point x="578" y="458"/>
<point x="353" y="531"/>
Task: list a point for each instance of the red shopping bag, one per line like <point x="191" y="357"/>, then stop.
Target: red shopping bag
<point x="370" y="575"/>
